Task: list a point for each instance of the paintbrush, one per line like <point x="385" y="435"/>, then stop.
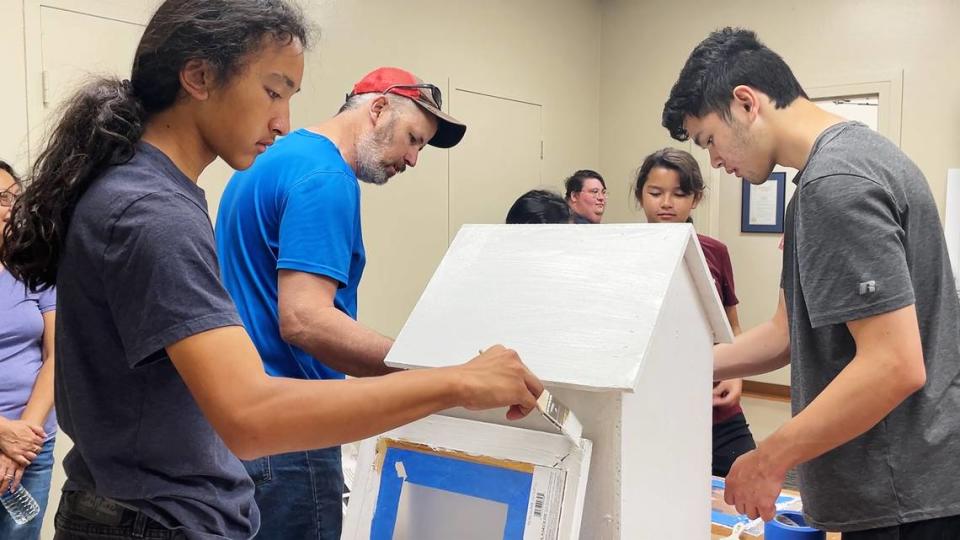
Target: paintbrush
<point x="560" y="416"/>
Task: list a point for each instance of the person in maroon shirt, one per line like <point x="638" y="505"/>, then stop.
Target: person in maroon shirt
<point x="668" y="187"/>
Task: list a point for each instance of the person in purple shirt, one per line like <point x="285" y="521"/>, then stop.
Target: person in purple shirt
<point x="27" y="420"/>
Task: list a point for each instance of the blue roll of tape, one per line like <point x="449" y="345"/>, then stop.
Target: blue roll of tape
<point x="782" y="529"/>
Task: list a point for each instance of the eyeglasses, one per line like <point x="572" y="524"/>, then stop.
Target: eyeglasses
<point x="7" y="198"/>
<point x="595" y="191"/>
<point x="434" y="91"/>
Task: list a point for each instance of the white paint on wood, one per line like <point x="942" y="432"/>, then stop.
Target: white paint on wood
<point x="579" y="304"/>
<point x="640" y="383"/>
<point x="666" y="427"/>
<point x="480" y="439"/>
<point x="651" y="449"/>
<point x="706" y="289"/>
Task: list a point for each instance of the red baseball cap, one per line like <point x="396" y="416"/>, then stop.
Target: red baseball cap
<point x="403" y="83"/>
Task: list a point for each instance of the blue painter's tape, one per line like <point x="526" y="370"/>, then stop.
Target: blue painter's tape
<point x="718" y="483"/>
<point x="729" y="520"/>
<point x="775" y="530"/>
<point x="490" y="482"/>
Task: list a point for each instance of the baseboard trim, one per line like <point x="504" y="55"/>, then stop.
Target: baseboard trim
<point x="764" y="390"/>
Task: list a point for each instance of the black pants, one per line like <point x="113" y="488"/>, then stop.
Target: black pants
<point x="86" y="516"/>
<point x="731" y="439"/>
<point x="947" y="528"/>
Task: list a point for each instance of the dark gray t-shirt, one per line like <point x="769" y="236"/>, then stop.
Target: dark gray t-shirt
<point x="863" y="238"/>
<point x="138" y="273"/>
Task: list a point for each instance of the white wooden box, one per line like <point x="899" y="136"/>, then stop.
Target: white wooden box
<point x="619" y="322"/>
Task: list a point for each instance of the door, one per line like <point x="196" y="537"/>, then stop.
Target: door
<point x="69" y="42"/>
<point x="499" y="159"/>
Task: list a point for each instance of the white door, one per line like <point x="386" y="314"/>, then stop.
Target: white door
<point x="69" y="42"/>
<point x="499" y="159"/>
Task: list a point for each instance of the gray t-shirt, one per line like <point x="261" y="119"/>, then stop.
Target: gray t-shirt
<point x="863" y="238"/>
<point x="138" y="273"/>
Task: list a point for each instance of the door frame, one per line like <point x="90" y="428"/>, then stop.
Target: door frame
<point x="136" y="12"/>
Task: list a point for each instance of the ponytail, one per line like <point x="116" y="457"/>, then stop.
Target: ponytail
<point x="99" y="127"/>
<point x="102" y="124"/>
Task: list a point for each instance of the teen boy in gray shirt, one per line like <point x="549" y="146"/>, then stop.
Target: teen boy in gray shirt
<point x="867" y="318"/>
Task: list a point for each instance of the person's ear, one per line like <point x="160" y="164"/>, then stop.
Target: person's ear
<point x="377" y="109"/>
<point x="197" y="79"/>
<point x="696" y="200"/>
<point x="745" y="103"/>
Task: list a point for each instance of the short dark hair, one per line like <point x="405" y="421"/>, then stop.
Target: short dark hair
<point x="4" y="166"/>
<point x="726" y="59"/>
<point x="539" y="206"/>
<point x="685" y="165"/>
<point x="574" y="183"/>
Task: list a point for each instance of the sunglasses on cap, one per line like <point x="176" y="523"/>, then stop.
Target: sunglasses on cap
<point x="434" y="91"/>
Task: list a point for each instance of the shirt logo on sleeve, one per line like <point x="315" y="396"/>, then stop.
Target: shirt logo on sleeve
<point x="868" y="287"/>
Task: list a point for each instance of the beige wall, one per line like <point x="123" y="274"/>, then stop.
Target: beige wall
<point x="540" y="51"/>
<point x="644" y="44"/>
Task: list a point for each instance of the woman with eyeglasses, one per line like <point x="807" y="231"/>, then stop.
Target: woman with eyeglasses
<point x="587" y="196"/>
<point x="158" y="383"/>
<point x="27" y="421"/>
<point x="668" y="187"/>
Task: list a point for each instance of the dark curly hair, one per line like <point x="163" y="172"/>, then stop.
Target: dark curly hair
<point x="100" y="126"/>
<point x="724" y="60"/>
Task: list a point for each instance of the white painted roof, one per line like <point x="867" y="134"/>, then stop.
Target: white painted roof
<point x="578" y="302"/>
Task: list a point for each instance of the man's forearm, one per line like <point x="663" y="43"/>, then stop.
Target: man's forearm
<point x="341" y="343"/>
<point x="761" y="349"/>
<point x="865" y="392"/>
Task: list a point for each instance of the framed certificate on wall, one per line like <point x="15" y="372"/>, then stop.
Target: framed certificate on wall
<point x="762" y="205"/>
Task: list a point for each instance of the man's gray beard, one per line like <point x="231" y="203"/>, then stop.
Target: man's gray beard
<point x="370" y="150"/>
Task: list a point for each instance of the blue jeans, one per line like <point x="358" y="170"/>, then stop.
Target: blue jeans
<point x="36" y="480"/>
<point x="300" y="495"/>
<point x="87" y="516"/>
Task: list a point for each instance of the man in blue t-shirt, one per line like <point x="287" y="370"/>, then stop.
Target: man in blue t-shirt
<point x="291" y="253"/>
